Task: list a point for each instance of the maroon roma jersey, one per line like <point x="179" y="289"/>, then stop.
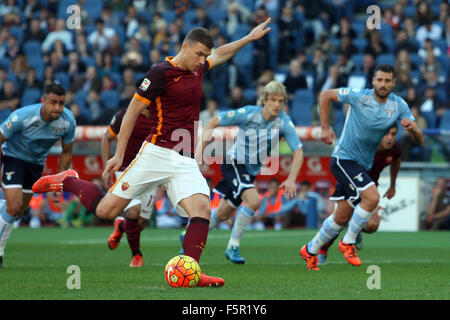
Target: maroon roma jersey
<point x="137" y="137"/>
<point x="174" y="97"/>
<point x="383" y="159"/>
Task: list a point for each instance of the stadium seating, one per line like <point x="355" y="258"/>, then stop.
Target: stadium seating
<point x="63" y="79"/>
<point x="110" y="99"/>
<point x="30" y="96"/>
<point x="445" y="121"/>
<point x="302" y="107"/>
<point x="431" y="118"/>
<point x="386" y="58"/>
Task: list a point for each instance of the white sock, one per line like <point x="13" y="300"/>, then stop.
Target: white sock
<point x="328" y="231"/>
<point x="213" y="220"/>
<point x="356" y="224"/>
<point x="242" y="220"/>
<point x="278" y="226"/>
<point x="6" y="226"/>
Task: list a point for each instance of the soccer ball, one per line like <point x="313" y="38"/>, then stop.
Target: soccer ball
<point x="182" y="271"/>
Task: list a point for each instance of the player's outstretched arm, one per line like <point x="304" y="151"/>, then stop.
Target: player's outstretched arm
<point x="325" y="99"/>
<point x="225" y="52"/>
<point x="289" y="184"/>
<point x="129" y="119"/>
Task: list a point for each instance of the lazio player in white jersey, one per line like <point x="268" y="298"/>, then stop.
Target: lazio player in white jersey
<point x="26" y="138"/>
<point x="371" y="114"/>
<point x="260" y="129"/>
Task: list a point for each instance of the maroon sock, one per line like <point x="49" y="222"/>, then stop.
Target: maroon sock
<point x="88" y="192"/>
<point x="195" y="238"/>
<point x="133" y="231"/>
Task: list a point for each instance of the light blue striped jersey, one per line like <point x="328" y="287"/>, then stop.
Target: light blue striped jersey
<point x="256" y="137"/>
<point x="366" y="123"/>
<point x="30" y="137"/>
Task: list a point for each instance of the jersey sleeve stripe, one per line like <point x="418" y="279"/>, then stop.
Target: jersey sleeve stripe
<point x="210" y="64"/>
<point x="111" y="132"/>
<point x="141" y="99"/>
<point x="160" y="119"/>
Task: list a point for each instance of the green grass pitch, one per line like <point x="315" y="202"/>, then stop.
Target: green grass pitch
<point x="412" y="266"/>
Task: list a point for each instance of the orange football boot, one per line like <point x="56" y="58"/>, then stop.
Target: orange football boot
<point x="311" y="260"/>
<point x="207" y="281"/>
<point x="114" y="238"/>
<point x="137" y="261"/>
<point x="350" y="253"/>
<point x="53" y="182"/>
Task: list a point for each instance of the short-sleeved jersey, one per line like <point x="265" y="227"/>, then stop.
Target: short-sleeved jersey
<point x="257" y="137"/>
<point x="30" y="137"/>
<point x="384" y="158"/>
<point x="174" y="97"/>
<point x="366" y="123"/>
<point x="137" y="137"/>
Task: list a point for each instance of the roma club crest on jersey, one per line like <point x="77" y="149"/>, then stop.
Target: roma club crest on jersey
<point x="125" y="186"/>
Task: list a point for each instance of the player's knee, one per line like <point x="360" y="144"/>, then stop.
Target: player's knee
<point x="371" y="199"/>
<point x="14" y="209"/>
<point x="203" y="210"/>
<point x="254" y="204"/>
<point x="341" y="220"/>
<point x="133" y="212"/>
<point x="371" y="226"/>
<point x="106" y="213"/>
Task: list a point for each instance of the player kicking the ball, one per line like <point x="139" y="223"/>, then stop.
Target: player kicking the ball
<point x="172" y="89"/>
<point x="388" y="154"/>
<point x="372" y="112"/>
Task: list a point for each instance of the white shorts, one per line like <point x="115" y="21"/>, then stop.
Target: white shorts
<point x="146" y="201"/>
<point x="154" y="166"/>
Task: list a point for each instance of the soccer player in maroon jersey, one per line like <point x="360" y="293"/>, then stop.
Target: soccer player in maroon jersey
<point x="139" y="210"/>
<point x="388" y="154"/>
<point x="172" y="90"/>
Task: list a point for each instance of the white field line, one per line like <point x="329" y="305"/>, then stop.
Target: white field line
<point x="176" y="238"/>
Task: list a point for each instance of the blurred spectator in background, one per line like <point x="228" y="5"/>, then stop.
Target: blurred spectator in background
<point x="88" y="82"/>
<point x="201" y="18"/>
<point x="99" y="38"/>
<point x="294" y="79"/>
<point x="411" y="97"/>
<point x="34" y="32"/>
<point x="375" y="45"/>
<point x="261" y="47"/>
<point x="410" y="28"/>
<point x="236" y="98"/>
<point x="347" y="47"/>
<point x="12" y="48"/>
<point x="236" y="15"/>
<point x="95" y="106"/>
<point x="431" y="103"/>
<point x="403" y="83"/>
<point x="368" y="68"/>
<point x="403" y="43"/>
<point x="9" y="99"/>
<point x="343" y="29"/>
<point x="30" y="81"/>
<point x="272" y="209"/>
<point x="289" y="28"/>
<point x="212" y="110"/>
<point x="19" y="67"/>
<point x="60" y="33"/>
<point x="79" y="118"/>
<point x="428" y="30"/>
<point x="429" y="47"/>
<point x="438" y="217"/>
<point x="423" y="12"/>
<point x="321" y="63"/>
<point x="430" y="64"/>
<point x="131" y="21"/>
<point x="403" y="62"/>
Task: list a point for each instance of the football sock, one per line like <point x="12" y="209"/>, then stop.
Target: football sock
<point x="241" y="222"/>
<point x="6" y="226"/>
<point x="356" y="224"/>
<point x="214" y="220"/>
<point x="329" y="230"/>
<point x="88" y="192"/>
<point x="328" y="244"/>
<point x="133" y="231"/>
<point x="195" y="238"/>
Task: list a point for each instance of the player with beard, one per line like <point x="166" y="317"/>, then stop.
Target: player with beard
<point x="371" y="113"/>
